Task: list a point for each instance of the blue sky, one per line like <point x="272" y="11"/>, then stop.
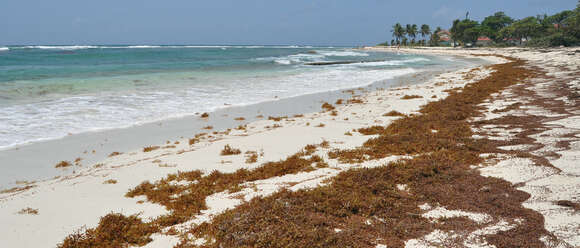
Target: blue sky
<point x="266" y="22"/>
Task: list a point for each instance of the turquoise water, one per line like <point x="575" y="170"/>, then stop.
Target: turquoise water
<point x="48" y="92"/>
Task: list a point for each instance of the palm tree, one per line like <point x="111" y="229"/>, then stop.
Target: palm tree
<point x="412" y="31"/>
<point x="453" y="31"/>
<point x="438" y="30"/>
<point x="425" y="30"/>
<point x="435" y="37"/>
<point x="398" y="31"/>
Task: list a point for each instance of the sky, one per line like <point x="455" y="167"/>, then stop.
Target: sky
<point x="239" y="22"/>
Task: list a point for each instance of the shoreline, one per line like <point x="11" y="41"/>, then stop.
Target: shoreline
<point x="86" y="190"/>
<point x="275" y="140"/>
<point x="175" y="92"/>
<point x="36" y="161"/>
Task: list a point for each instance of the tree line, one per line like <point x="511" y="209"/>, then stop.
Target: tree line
<point x="408" y="34"/>
<point x="562" y="28"/>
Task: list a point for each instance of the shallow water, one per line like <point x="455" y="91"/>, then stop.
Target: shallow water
<point x="49" y="92"/>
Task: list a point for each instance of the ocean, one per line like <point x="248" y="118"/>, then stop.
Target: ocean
<point x="49" y="92"/>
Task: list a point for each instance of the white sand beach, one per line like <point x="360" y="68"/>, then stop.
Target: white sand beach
<point x="60" y="206"/>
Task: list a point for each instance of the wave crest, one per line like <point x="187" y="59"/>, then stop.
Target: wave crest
<point x="60" y="47"/>
<point x="392" y="62"/>
<point x="343" y="53"/>
<point x="78" y="47"/>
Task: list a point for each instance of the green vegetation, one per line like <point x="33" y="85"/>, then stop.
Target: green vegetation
<point x="466" y="31"/>
<point x="560" y="29"/>
<point x="402" y="34"/>
<point x="425" y="31"/>
<point x="398" y="32"/>
<point x="434" y="41"/>
<point x="491" y="25"/>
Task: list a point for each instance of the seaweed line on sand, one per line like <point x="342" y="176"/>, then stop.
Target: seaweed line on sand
<point x="367" y="205"/>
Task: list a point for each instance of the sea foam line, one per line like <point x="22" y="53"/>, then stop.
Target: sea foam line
<point x="95" y="110"/>
<point x="80" y="47"/>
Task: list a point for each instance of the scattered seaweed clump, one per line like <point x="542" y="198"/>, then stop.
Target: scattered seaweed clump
<point x="63" y="164"/>
<point x="252" y="158"/>
<point x="277" y="118"/>
<point x="113" y="154"/>
<point x="309" y="149"/>
<point x="371" y="130"/>
<point x="16" y="189"/>
<point x="240" y="119"/>
<point x="114" y="230"/>
<point x="205" y="115"/>
<point x="110" y="181"/>
<point x="408" y="97"/>
<point x="30" y="211"/>
<point x="228" y="150"/>
<point x="150" y="148"/>
<point x="242" y="127"/>
<point x="338" y="102"/>
<point x="327" y="106"/>
<point x="394" y="113"/>
<point x="354" y="100"/>
<point x="569" y="204"/>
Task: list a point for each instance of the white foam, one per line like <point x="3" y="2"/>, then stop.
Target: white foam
<point x="392" y="62"/>
<point x="144" y="46"/>
<point x="283" y="61"/>
<point x="343" y="53"/>
<point x="108" y="110"/>
<point x="77" y="47"/>
<point x="60" y="47"/>
<point x="301" y="57"/>
<point x="293" y="59"/>
<point x="4" y="49"/>
<point x="321" y="57"/>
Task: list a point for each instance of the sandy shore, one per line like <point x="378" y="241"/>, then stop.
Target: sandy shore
<point x="51" y="210"/>
<point x="549" y="105"/>
<point x="35" y="162"/>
